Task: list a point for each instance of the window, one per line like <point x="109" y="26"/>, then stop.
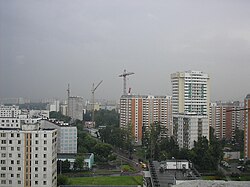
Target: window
<point x="19" y="168"/>
<point x="19" y="182"/>
<point x="45" y="141"/>
<point x="19" y="155"/>
<point x="45" y="162"/>
<point x="18" y="161"/>
<point x="3" y="161"/>
<point x="3" y="168"/>
<point x="3" y="174"/>
<point x="36" y="155"/>
<point x="36" y="182"/>
<point x="45" y="135"/>
<point x="10" y="141"/>
<point x="44" y="155"/>
<point x="10" y="155"/>
<point x="18" y="175"/>
<point x="3" y="148"/>
<point x="12" y="175"/>
<point x="12" y="134"/>
<point x="44" y="169"/>
<point x="10" y="182"/>
<point x="10" y="168"/>
<point x="44" y="182"/>
<point x="36" y="135"/>
<point x="12" y="148"/>
<point x="3" y="141"/>
<point x="18" y="148"/>
<point x="45" y="148"/>
<point x="36" y="162"/>
<point x="19" y="141"/>
<point x="36" y="168"/>
<point x="36" y="175"/>
<point x="3" y="155"/>
<point x="18" y="135"/>
<point x="3" y="181"/>
<point x="36" y="148"/>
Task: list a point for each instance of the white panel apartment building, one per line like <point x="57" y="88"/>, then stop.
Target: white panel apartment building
<point x="190" y="92"/>
<point x="75" y="108"/>
<point x="67" y="135"/>
<point x="143" y="110"/>
<point x="187" y="129"/>
<point x="28" y="157"/>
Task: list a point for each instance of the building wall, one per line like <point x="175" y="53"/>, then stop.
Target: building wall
<point x="67" y="136"/>
<point x="191" y="92"/>
<point x="247" y="128"/>
<point x="28" y="158"/>
<point x="75" y="108"/>
<point x="225" y="118"/>
<point x="187" y="129"/>
<point x="9" y="111"/>
<point x="142" y="111"/>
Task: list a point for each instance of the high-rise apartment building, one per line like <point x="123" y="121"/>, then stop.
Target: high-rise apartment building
<point x="75" y="108"/>
<point x="225" y="118"/>
<point x="247" y="127"/>
<point x="28" y="157"/>
<point x="188" y="128"/>
<point x="66" y="135"/>
<point x="190" y="92"/>
<point x="143" y="110"/>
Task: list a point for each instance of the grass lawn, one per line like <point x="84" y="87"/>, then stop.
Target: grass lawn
<point x="120" y="180"/>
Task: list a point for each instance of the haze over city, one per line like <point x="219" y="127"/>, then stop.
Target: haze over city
<point x="47" y="44"/>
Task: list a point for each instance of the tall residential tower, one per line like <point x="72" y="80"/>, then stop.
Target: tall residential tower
<point x="191" y="92"/>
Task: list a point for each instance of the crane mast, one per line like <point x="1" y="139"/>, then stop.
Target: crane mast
<point x="124" y="75"/>
<point x="93" y="100"/>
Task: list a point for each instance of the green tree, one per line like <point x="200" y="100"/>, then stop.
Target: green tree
<point x="103" y="152"/>
<point x="59" y="116"/>
<point x="62" y="180"/>
<point x="79" y="162"/>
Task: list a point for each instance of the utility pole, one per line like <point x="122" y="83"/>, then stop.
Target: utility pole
<point x="124" y="75"/>
<point x="93" y="100"/>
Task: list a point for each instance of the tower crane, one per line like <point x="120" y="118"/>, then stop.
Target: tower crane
<point x="93" y="100"/>
<point x="124" y="75"/>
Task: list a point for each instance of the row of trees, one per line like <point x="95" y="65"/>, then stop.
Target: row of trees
<point x="206" y="155"/>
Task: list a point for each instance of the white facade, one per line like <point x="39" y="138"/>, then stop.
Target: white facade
<point x="10" y="123"/>
<point x="75" y="108"/>
<point x="9" y="111"/>
<point x="54" y="106"/>
<point x="28" y="157"/>
<point x="187" y="129"/>
<point x="67" y="135"/>
<point x="191" y="92"/>
<point x="175" y="164"/>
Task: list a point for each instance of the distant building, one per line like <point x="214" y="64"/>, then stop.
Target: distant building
<point x="225" y="118"/>
<point x="190" y="92"/>
<point x="54" y="106"/>
<point x="143" y="110"/>
<point x="28" y="156"/>
<point x="63" y="109"/>
<point x="247" y="128"/>
<point x="75" y="108"/>
<point x="66" y="135"/>
<point x="187" y="129"/>
<point x="9" y="111"/>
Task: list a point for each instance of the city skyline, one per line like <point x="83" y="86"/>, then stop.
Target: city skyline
<point x="46" y="45"/>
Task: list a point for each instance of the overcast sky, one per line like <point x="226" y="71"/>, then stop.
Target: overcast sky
<point x="46" y="44"/>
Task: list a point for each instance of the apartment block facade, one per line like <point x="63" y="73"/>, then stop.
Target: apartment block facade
<point x="247" y="127"/>
<point x="66" y="135"/>
<point x="143" y="110"/>
<point x="188" y="128"/>
<point x="75" y="108"/>
<point x="225" y="118"/>
<point x="190" y="92"/>
<point x="28" y="157"/>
